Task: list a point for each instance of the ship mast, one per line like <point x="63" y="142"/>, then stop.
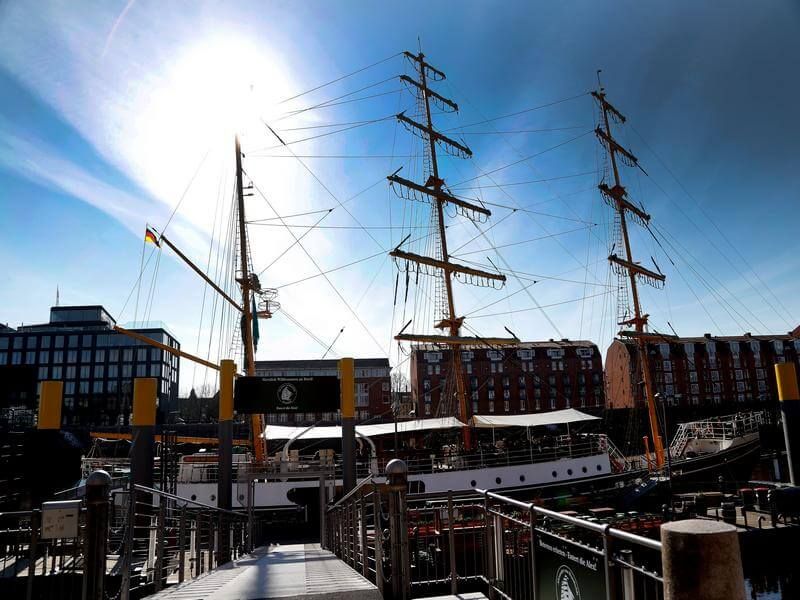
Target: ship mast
<point x="616" y="196"/>
<point x="433" y="191"/>
<point x="248" y="283"/>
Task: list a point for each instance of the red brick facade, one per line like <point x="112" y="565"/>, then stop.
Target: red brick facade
<point x="700" y="371"/>
<point x="526" y="378"/>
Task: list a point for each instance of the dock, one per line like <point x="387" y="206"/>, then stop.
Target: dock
<point x="286" y="571"/>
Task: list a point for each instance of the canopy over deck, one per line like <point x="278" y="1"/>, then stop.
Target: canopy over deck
<point x="283" y="432"/>
<point x="555" y="417"/>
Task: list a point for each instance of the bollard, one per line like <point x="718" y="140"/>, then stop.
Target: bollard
<point x="397" y="480"/>
<point x="789" y="396"/>
<point x="50" y="402"/>
<point x="227" y="372"/>
<point x="145" y="396"/>
<point x="348" y="406"/>
<point x="98" y="488"/>
<point x="701" y="561"/>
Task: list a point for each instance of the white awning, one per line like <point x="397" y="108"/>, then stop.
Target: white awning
<point x="283" y="432"/>
<point x="555" y="417"/>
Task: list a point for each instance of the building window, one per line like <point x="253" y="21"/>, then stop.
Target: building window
<point x="427" y="409"/>
<point x="522" y="404"/>
<point x="100" y="356"/>
<point x="475" y="394"/>
<point x="127" y="371"/>
<point x="56" y="374"/>
<point x="491" y="406"/>
<point x="506" y="405"/>
<point x="113" y="355"/>
<point x="127" y="355"/>
<point x="437" y="369"/>
<point x="98" y="371"/>
<point x="491" y="394"/>
<point x="506" y="382"/>
<point x="42" y="373"/>
<point x="83" y="387"/>
<point x="72" y="356"/>
<point x="430" y="369"/>
<point x="73" y="341"/>
<point x="552" y="403"/>
<point x="30" y="358"/>
<point x="474" y="408"/>
<point x="111" y="386"/>
<point x="113" y="371"/>
<point x="3" y="357"/>
<point x="97" y="387"/>
<point x="468" y="367"/>
<point x="44" y="356"/>
<point x="141" y="354"/>
<point x="523" y="394"/>
<point x="17" y="343"/>
<point x="86" y="356"/>
<point x="3" y="343"/>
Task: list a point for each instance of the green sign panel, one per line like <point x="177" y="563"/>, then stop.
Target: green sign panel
<point x="258" y="395"/>
<point x="567" y="572"/>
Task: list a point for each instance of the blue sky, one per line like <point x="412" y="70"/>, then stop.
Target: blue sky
<point x="115" y="113"/>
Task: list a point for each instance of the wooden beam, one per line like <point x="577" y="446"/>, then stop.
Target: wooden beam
<point x="438" y="194"/>
<point x="454" y="340"/>
<point x="435" y="135"/>
<point x="430" y="92"/>
<point x="447" y="266"/>
<point x="165" y="348"/>
<point x="182" y="439"/>
<point x="638" y="269"/>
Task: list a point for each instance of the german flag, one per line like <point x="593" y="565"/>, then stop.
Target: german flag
<point x="150" y="236"/>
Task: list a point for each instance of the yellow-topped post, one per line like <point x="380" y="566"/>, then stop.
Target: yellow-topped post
<point x="347" y="386"/>
<point x="227" y="372"/>
<point x="50" y="402"/>
<point x="789" y="396"/>
<point x="145" y="398"/>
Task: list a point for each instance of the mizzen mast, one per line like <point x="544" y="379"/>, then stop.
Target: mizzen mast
<point x="433" y="191"/>
<point x="616" y="196"/>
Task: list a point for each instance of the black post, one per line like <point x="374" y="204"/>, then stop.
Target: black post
<point x="98" y="488"/>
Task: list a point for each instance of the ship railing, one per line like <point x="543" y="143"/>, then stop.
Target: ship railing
<point x="414" y="547"/>
<point x="724" y="428"/>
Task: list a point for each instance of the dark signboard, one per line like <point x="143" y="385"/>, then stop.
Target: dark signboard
<point x="18" y="386"/>
<point x="567" y="572"/>
<point x="256" y="395"/>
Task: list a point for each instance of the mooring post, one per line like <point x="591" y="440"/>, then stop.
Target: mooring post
<point x="397" y="480"/>
<point x="348" y="406"/>
<point x="145" y="396"/>
<point x="701" y="561"/>
<point x="227" y="372"/>
<point x="789" y="396"/>
<point x="98" y="489"/>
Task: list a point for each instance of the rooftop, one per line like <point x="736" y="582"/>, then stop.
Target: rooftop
<point x="330" y="363"/>
<point x="563" y="343"/>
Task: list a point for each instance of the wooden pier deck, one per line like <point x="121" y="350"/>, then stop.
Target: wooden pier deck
<point x="292" y="571"/>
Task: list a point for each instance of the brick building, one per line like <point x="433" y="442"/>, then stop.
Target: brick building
<point x="700" y="371"/>
<point x="525" y="378"/>
<point x="373" y="395"/>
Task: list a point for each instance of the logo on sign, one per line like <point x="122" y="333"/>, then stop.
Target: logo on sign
<point x="566" y="584"/>
<point x="287" y="394"/>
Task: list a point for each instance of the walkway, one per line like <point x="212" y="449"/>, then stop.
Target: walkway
<point x="292" y="571"/>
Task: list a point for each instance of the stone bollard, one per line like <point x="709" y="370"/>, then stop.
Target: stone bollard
<point x="98" y="488"/>
<point x="701" y="561"/>
<point x="397" y="483"/>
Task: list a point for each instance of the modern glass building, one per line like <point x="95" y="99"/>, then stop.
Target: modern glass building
<point x="97" y="365"/>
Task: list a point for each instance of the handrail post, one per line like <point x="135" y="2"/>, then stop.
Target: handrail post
<point x="376" y="507"/>
<point x="451" y="542"/>
<point x="364" y="552"/>
<point x="608" y="564"/>
<point x="36" y="523"/>
<point x="98" y="487"/>
<point x="488" y="543"/>
<point x="182" y="546"/>
<point x="397" y="478"/>
<point x="628" y="588"/>
<point x="534" y="572"/>
<point x="211" y="542"/>
<point x="199" y="566"/>
<point x="127" y="544"/>
<point x="158" y="571"/>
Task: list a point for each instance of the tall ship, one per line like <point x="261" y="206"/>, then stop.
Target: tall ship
<point x="544" y="453"/>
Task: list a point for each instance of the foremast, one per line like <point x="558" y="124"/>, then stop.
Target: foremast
<point x="616" y="196"/>
<point x="433" y="191"/>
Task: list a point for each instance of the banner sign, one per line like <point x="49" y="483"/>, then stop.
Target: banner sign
<point x="566" y="571"/>
<point x="257" y="395"/>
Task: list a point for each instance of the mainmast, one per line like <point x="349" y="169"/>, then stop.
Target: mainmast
<point x="617" y="197"/>
<point x="433" y="191"/>
<point x="249" y="283"/>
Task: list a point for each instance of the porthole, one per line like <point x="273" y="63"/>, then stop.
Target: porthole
<point x="194" y="497"/>
<point x="569" y="471"/>
<point x="241" y="496"/>
<point x="213" y="497"/>
<point x="599" y="467"/>
<point x="555" y="473"/>
<point x="498" y="481"/>
<point x="584" y="469"/>
<point x="522" y="477"/>
<point x="473" y="483"/>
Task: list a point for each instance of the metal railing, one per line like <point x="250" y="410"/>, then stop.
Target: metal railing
<point x="166" y="539"/>
<point x="425" y="546"/>
<point x="127" y="544"/>
<point x="717" y="428"/>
